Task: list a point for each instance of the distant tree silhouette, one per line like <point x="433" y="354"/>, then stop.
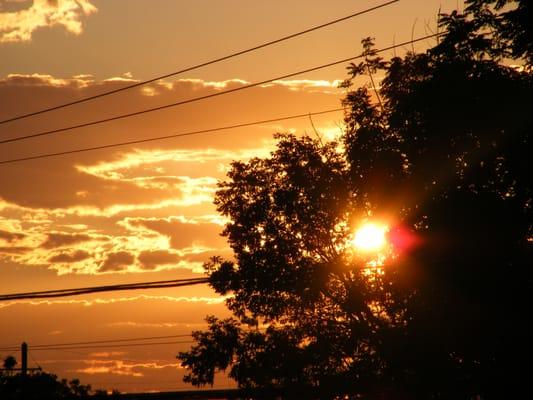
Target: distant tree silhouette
<point x="40" y="386"/>
<point x="446" y="153"/>
<point x="10" y="362"/>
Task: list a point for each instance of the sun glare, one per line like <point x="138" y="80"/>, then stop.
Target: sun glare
<point x="370" y="237"/>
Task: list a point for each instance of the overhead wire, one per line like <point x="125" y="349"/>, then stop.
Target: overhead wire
<point x="212" y="95"/>
<point x="171" y="136"/>
<point x="106" y="346"/>
<point x="106" y="288"/>
<point x="111" y="346"/>
<point x="34" y="346"/>
<point x="204" y="64"/>
<point x="35" y="361"/>
<point x="107" y="341"/>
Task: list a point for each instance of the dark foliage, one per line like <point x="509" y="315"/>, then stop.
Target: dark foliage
<point x="41" y="386"/>
<point x="445" y="151"/>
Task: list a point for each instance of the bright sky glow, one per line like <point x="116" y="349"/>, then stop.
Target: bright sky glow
<point x="370" y="237"/>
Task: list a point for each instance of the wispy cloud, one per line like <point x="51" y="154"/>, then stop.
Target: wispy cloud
<point x="107" y="354"/>
<point x="119" y="367"/>
<point x="136" y="324"/>
<point x="100" y="301"/>
<point x="45" y="80"/>
<point x="118" y="169"/>
<point x="11" y="236"/>
<point x="19" y="26"/>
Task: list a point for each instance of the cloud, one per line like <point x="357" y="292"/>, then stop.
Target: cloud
<point x="134" y="248"/>
<point x="117" y="261"/>
<point x="119" y="367"/>
<point x="19" y="26"/>
<point x="100" y="301"/>
<point x="44" y="80"/>
<point x="15" y="250"/>
<point x="152" y="259"/>
<point x="135" y="324"/>
<point x="118" y="169"/>
<point x="181" y="231"/>
<point x="107" y="354"/>
<point x="55" y="240"/>
<point x="203" y="84"/>
<point x="11" y="236"/>
<point x="151" y="203"/>
<point x="78" y="255"/>
<point x="309" y="85"/>
<point x="148" y="176"/>
<point x="114" y="367"/>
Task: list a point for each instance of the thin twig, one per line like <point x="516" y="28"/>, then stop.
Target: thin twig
<point x="315" y="130"/>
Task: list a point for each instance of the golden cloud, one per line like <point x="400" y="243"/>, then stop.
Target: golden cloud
<point x="11" y="236"/>
<point x="107" y="354"/>
<point x="119" y="367"/>
<point x="136" y="324"/>
<point x="70" y="257"/>
<point x="61" y="239"/>
<point x="118" y="169"/>
<point x="117" y="261"/>
<point x="44" y="80"/>
<point x="153" y="258"/>
<point x="310" y="85"/>
<point x="152" y="205"/>
<point x="14" y="249"/>
<point x="18" y="26"/>
<point x="148" y="244"/>
<point x="188" y="235"/>
<point x="40" y="215"/>
<point x="100" y="301"/>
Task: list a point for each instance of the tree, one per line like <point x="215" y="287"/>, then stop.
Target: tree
<point x="39" y="386"/>
<point x="444" y="157"/>
<point x="9" y="363"/>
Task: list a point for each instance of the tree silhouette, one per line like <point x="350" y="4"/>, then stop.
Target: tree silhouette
<point x="40" y="386"/>
<point x="9" y="364"/>
<point x="445" y="157"/>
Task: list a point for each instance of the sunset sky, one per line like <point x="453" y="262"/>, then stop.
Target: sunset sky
<point x="144" y="212"/>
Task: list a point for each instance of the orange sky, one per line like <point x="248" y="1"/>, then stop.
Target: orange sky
<point x="145" y="213"/>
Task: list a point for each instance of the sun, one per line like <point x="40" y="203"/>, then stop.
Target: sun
<point x="370" y="237"/>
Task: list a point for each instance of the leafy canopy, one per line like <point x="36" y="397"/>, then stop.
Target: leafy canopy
<point x="442" y="154"/>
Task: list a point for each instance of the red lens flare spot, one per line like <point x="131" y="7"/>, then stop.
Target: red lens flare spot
<point x="402" y="239"/>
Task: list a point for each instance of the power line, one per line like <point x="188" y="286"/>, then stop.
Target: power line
<point x="107" y="288"/>
<point x="204" y="64"/>
<point x="204" y="97"/>
<point x="68" y="345"/>
<point x="172" y="136"/>
<point x="111" y="346"/>
<point x="34" y="346"/>
<point x="106" y="346"/>
<point x="35" y="361"/>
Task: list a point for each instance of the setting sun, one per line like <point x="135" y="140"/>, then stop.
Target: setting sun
<point x="370" y="237"/>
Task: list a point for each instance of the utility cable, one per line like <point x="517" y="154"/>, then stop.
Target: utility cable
<point x="112" y="341"/>
<point x="104" y="346"/>
<point x="172" y="136"/>
<point x="113" y="345"/>
<point x="92" y="342"/>
<point x="107" y="288"/>
<point x="212" y="95"/>
<point x="33" y="346"/>
<point x="204" y="64"/>
<point x="35" y="361"/>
